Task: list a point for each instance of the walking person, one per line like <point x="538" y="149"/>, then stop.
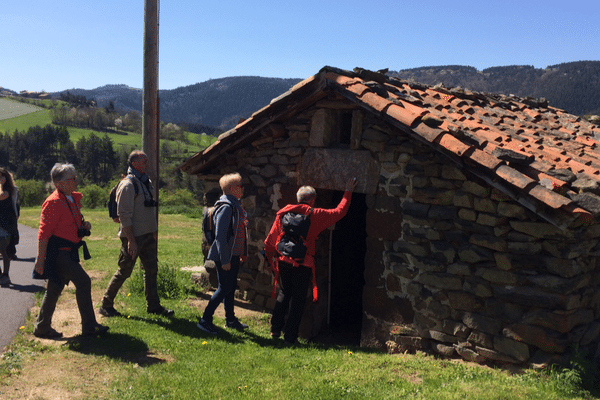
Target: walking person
<point x="292" y="276"/>
<point x="9" y="216"/>
<point x="228" y="251"/>
<point x="62" y="228"/>
<point x="138" y="230"/>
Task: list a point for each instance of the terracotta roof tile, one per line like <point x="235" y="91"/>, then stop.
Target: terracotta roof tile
<point x="359" y="89"/>
<point x="375" y="101"/>
<point x="514" y="177"/>
<point x="428" y="133"/>
<point x="402" y="115"/>
<point x="452" y="144"/>
<point x="484" y="159"/>
<point x="548" y="197"/>
<point x="342" y="80"/>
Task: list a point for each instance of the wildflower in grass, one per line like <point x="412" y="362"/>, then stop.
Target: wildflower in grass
<point x="128" y="294"/>
<point x="204" y="342"/>
<point x="350" y="353"/>
<point x="22" y="327"/>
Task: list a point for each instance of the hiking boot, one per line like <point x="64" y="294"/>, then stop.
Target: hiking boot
<point x="109" y="312"/>
<point x="5" y="280"/>
<point x="98" y="330"/>
<point x="237" y="325"/>
<point x="162" y="311"/>
<point x="51" y="334"/>
<point x="207" y="327"/>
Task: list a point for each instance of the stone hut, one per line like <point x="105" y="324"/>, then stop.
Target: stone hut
<point x="473" y="230"/>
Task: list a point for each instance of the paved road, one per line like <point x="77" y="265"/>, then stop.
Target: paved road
<point x="18" y="298"/>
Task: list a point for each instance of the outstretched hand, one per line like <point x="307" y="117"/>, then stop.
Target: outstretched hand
<point x="351" y="184"/>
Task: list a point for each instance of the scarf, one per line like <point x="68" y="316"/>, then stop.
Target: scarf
<point x="145" y="179"/>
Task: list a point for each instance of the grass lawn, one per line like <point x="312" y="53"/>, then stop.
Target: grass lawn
<point x="151" y="357"/>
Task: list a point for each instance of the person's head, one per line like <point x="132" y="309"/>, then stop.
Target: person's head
<point x="64" y="177"/>
<point x="306" y="194"/>
<point x="7" y="181"/>
<point x="231" y="184"/>
<point x="138" y="160"/>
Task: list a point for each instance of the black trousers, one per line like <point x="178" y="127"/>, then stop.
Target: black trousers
<point x="293" y="287"/>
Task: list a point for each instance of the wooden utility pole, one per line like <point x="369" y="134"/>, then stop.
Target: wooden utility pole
<point x="151" y="111"/>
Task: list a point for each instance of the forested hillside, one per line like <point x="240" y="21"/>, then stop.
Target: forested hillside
<point x="574" y="86"/>
<point x="218" y="103"/>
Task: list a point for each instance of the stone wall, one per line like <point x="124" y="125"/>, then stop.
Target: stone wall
<point x="453" y="266"/>
<point x="481" y="277"/>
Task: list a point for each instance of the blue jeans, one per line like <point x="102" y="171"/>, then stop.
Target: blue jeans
<point x="225" y="292"/>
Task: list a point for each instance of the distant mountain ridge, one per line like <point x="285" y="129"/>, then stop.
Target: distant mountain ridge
<point x="220" y="103"/>
<point x="574" y="86"/>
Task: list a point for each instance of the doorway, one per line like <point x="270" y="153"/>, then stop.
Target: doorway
<point x="348" y="250"/>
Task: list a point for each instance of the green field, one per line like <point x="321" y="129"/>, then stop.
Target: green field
<point x="11" y="110"/>
<point x="41" y="117"/>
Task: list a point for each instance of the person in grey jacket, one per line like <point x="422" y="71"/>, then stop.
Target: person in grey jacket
<point x="138" y="230"/>
<point x="228" y="251"/>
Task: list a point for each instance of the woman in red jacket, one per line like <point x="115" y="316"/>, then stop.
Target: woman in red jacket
<point x="62" y="228"/>
<point x="295" y="277"/>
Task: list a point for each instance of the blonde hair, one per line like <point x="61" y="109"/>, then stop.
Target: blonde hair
<point x="305" y="194"/>
<point x="229" y="180"/>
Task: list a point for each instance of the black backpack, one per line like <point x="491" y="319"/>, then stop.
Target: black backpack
<point x="295" y="229"/>
<point x="112" y="199"/>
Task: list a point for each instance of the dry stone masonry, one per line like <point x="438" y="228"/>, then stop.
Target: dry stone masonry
<point x="453" y="266"/>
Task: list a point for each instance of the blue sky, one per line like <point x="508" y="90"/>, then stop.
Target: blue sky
<point x="64" y="44"/>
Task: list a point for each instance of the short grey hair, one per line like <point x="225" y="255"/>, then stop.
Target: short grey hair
<point x="306" y="194"/>
<point x="60" y="171"/>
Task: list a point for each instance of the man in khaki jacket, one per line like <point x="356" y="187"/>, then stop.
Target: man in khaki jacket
<point x="138" y="230"/>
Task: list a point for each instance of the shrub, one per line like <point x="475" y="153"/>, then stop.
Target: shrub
<point x="181" y="201"/>
<point x="94" y="196"/>
<point x="31" y="192"/>
<point x="180" y="197"/>
<point x="170" y="284"/>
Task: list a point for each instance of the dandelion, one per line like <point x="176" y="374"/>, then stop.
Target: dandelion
<point x="128" y="294"/>
<point x="22" y="327"/>
<point x="204" y="342"/>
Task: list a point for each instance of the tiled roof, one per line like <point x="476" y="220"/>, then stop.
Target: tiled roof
<point x="543" y="157"/>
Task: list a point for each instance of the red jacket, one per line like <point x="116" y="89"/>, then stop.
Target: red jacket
<point x="321" y="219"/>
<point x="57" y="219"/>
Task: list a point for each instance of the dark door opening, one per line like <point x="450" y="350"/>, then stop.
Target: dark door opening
<point x="348" y="252"/>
